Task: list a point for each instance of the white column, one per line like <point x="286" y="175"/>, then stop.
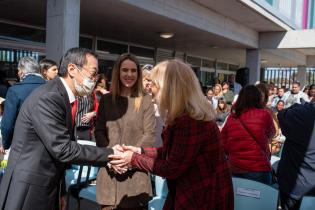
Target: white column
<point x="253" y="63"/>
<point x="301" y="75"/>
<point x="62" y="27"/>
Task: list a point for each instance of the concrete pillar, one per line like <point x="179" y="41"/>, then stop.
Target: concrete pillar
<point x="62" y="27"/>
<point x="253" y="63"/>
<point x="301" y="75"/>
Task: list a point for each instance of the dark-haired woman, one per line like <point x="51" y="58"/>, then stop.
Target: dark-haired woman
<point x="48" y="68"/>
<point x="222" y="112"/>
<point x="246" y="136"/>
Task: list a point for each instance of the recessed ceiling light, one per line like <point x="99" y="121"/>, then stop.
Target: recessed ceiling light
<point x="166" y="35"/>
<point x="263" y="60"/>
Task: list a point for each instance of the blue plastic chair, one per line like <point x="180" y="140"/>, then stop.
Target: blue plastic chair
<point x="79" y="177"/>
<point x="308" y="203"/>
<point x="161" y="192"/>
<point x="249" y="195"/>
<point x="88" y="193"/>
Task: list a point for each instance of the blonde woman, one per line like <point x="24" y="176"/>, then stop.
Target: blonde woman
<point x="192" y="158"/>
<point x="217" y="94"/>
<point x="125" y="116"/>
<point x="146" y="80"/>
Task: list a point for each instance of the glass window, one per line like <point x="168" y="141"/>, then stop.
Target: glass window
<point x="207" y="63"/>
<point x="9" y="59"/>
<point x="269" y="2"/>
<point x="111" y="48"/>
<point x="233" y="67"/>
<point x="86" y="42"/>
<point x="222" y="66"/>
<point x="206" y="78"/>
<point x="20" y="32"/>
<point x="142" y="52"/>
<point x="194" y="61"/>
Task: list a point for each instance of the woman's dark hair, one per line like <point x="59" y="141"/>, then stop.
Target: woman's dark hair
<point x="225" y="108"/>
<point x="99" y="79"/>
<point x="45" y="64"/>
<point x="280" y="101"/>
<point x="264" y="91"/>
<point x="249" y="97"/>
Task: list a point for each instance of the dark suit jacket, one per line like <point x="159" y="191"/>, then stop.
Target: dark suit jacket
<point x="42" y="146"/>
<point x="15" y="97"/>
<point x="296" y="170"/>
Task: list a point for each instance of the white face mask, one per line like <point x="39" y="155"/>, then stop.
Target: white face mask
<point x="87" y="86"/>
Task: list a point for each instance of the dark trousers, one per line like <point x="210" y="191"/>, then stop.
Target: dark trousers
<point x="288" y="203"/>
<point x="83" y="133"/>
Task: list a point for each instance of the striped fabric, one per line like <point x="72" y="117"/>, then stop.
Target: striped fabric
<point x="85" y="105"/>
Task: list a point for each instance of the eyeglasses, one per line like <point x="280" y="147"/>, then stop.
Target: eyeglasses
<point x="90" y="75"/>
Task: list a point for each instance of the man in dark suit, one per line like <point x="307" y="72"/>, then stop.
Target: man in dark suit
<point x="296" y="170"/>
<point x="43" y="142"/>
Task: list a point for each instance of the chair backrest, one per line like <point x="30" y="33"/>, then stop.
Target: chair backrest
<point x="161" y="189"/>
<point x="86" y="172"/>
<point x="308" y="202"/>
<point x="249" y="194"/>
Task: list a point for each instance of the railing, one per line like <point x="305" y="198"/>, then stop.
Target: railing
<point x="284" y="77"/>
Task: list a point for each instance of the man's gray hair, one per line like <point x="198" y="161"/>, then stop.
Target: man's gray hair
<point x="28" y="65"/>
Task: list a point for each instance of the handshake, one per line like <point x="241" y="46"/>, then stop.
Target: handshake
<point x="120" y="161"/>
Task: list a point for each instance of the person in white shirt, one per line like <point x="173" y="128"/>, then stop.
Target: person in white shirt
<point x="295" y="95"/>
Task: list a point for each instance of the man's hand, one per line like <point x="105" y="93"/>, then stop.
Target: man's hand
<point x="123" y="160"/>
<point x="132" y="149"/>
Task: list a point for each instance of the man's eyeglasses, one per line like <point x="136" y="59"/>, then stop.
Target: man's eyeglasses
<point x="89" y="74"/>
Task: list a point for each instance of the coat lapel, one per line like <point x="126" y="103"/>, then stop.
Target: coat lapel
<point x="64" y="93"/>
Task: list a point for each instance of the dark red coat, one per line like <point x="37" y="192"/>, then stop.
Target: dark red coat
<point x="243" y="151"/>
<point x="192" y="159"/>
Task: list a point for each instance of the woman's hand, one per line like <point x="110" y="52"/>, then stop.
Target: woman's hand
<point x="87" y="117"/>
<point x="121" y="160"/>
<point x="132" y="148"/>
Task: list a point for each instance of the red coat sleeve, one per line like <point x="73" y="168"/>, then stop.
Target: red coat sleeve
<point x="186" y="144"/>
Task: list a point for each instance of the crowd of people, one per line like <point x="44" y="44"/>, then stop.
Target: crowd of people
<point x="149" y="120"/>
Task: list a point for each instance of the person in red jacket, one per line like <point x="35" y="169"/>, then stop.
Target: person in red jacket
<point x="246" y="136"/>
<point x="192" y="158"/>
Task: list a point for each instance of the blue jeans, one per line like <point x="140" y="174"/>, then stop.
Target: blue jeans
<point x="263" y="177"/>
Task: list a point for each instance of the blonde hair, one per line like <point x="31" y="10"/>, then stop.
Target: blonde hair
<point x="146" y="74"/>
<point x="179" y="92"/>
<point x="220" y="93"/>
<point x="137" y="89"/>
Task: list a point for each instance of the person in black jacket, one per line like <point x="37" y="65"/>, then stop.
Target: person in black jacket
<point x="296" y="170"/>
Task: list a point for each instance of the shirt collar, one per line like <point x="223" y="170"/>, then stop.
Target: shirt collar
<point x="69" y="91"/>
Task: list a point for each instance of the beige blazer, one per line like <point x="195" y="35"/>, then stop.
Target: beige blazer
<point x="120" y="123"/>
